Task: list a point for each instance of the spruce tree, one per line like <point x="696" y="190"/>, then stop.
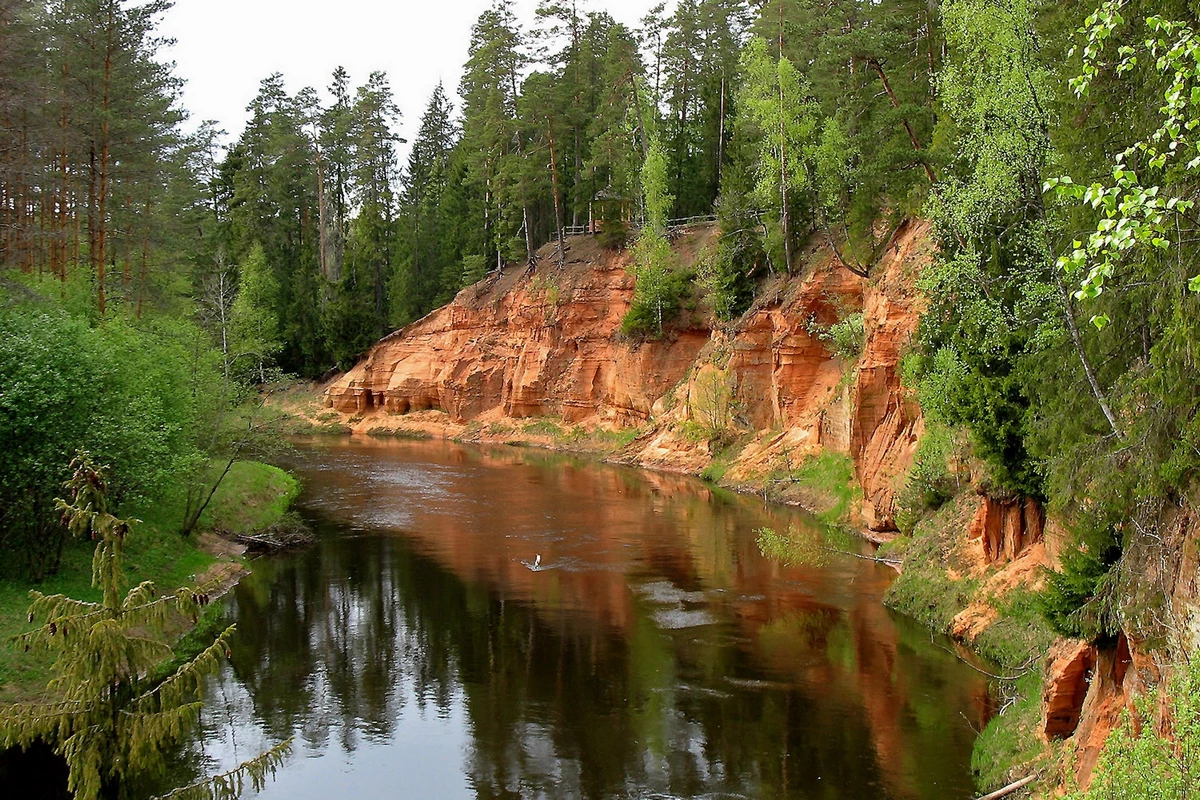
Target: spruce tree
<point x="428" y="248"/>
<point x="109" y="717"/>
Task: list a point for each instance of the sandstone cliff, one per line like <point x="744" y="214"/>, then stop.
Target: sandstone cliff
<point x="547" y="343"/>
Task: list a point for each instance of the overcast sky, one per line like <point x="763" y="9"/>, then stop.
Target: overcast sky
<point x="224" y="48"/>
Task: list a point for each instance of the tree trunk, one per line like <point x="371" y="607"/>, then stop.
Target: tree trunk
<point x="721" y="135"/>
<point x="912" y="137"/>
<point x="141" y="291"/>
<point x="785" y="217"/>
<point x="1077" y="339"/>
<point x="102" y="204"/>
<point x="558" y="222"/>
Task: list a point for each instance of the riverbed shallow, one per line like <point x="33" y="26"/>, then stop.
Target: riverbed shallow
<point x="511" y="623"/>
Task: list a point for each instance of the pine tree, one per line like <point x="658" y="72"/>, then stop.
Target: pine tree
<point x="418" y="280"/>
<point x="109" y="719"/>
<point x="492" y="136"/>
<point x="275" y="203"/>
<point x="615" y="131"/>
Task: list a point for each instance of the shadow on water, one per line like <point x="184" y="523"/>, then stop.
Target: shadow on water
<point x="411" y="653"/>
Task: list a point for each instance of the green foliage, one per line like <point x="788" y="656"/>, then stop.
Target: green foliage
<point x="1136" y="214"/>
<point x="1078" y="599"/>
<point x="130" y="393"/>
<point x="1139" y="762"/>
<point x="474" y="268"/>
<point x="774" y="101"/>
<point x="711" y="403"/>
<point x="930" y="482"/>
<point x="252" y="497"/>
<point x="869" y="66"/>
<point x="828" y="479"/>
<point x="106" y="719"/>
<point x="987" y="395"/>
<point x="662" y="286"/>
<point x="1010" y="739"/>
<point x="723" y="280"/>
<point x="254" y="328"/>
<point x="845" y="338"/>
<point x="728" y="274"/>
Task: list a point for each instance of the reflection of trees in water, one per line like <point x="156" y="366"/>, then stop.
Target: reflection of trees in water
<point x="328" y="642"/>
<point x="577" y="687"/>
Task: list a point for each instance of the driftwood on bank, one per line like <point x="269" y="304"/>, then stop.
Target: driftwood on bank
<point x="1012" y="787"/>
<point x="278" y="538"/>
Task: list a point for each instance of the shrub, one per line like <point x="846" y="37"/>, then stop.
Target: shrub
<point x="129" y="394"/>
<point x="1079" y="599"/>
<point x="1138" y="762"/>
<point x="844" y="338"/>
<point x="614" y="235"/>
<point x="657" y="301"/>
<point x="929" y="483"/>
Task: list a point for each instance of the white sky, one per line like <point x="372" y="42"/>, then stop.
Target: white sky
<point x="224" y="48"/>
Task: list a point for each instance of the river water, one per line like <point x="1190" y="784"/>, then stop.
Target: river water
<point x="421" y="650"/>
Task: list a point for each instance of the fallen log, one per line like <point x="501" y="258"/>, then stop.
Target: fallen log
<point x="1012" y="787"/>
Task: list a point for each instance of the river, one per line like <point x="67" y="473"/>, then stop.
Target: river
<point x="421" y="649"/>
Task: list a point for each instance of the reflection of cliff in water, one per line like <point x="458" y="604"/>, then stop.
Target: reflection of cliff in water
<point x="667" y="657"/>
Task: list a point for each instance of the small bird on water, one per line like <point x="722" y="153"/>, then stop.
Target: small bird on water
<point x="536" y="566"/>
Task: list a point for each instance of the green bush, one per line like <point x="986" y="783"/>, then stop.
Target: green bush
<point x="659" y="298"/>
<point x="1078" y="599"/>
<point x="1139" y="763"/>
<point x="129" y="393"/>
<point x="844" y="338"/>
<point x="614" y="235"/>
<point x="929" y="483"/>
<point x="722" y="276"/>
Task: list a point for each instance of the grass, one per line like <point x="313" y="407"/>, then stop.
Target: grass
<point x="715" y="471"/>
<point x="574" y="439"/>
<point x="1014" y="642"/>
<point x="617" y="440"/>
<point x="544" y="427"/>
<point x="832" y="473"/>
<point x="298" y="426"/>
<point x="825" y="484"/>
<point x="925" y="590"/>
<point x="408" y="434"/>
<point x="254" y="496"/>
<point x="1010" y="740"/>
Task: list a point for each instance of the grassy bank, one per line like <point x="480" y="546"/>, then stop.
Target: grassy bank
<point x="823" y="484"/>
<point x="253" y="496"/>
<point x="938" y="582"/>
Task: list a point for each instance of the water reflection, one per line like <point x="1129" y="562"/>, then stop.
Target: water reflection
<point x="412" y="654"/>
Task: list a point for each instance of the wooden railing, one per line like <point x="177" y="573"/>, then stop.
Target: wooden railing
<point x="672" y="225"/>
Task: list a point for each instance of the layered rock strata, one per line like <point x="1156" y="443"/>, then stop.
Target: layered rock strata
<point x="548" y="343"/>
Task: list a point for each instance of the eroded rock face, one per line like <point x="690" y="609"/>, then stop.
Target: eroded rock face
<point x="1004" y="529"/>
<point x="805" y="399"/>
<point x="1069" y="671"/>
<point x="526" y="346"/>
<point x="548" y="344"/>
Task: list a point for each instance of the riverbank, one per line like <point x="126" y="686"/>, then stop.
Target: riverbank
<point x="823" y="484"/>
<point x="253" y="497"/>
